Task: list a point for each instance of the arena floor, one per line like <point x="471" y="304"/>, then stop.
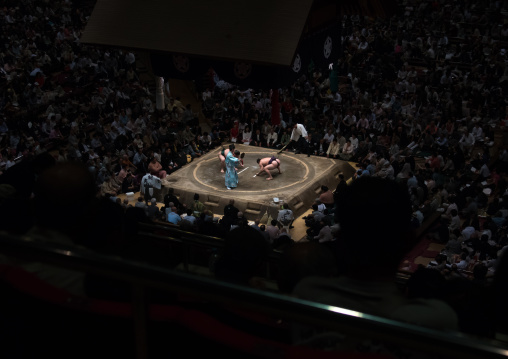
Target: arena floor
<point x="298" y="184"/>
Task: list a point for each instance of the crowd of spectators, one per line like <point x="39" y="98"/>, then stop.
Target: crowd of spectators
<point x="430" y="79"/>
<point x="418" y="99"/>
<point x="85" y="103"/>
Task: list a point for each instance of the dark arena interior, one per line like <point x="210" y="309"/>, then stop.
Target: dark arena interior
<point x="383" y="236"/>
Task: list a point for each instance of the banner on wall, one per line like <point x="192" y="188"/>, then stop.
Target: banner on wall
<point x="320" y="49"/>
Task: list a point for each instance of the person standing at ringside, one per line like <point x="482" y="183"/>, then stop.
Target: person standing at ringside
<point x="232" y="163"/>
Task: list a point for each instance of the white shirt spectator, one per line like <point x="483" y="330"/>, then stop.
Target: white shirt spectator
<point x="462" y="264"/>
<point x="484" y="171"/>
<point x="130" y="58"/>
<point x="477" y="133"/>
<point x="337" y="98"/>
<point x="285" y="216"/>
<point x="362" y="46"/>
<point x="419" y="216"/>
<point x="354" y="142"/>
<point x="328" y="137"/>
<point x="467" y="140"/>
<point x="272" y="136"/>
<point x="9" y="164"/>
<point x="467" y="232"/>
<point x="454" y="223"/>
<point x="325" y="235"/>
<point x="207" y="94"/>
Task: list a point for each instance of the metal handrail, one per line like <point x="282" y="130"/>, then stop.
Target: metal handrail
<point x="191" y="240"/>
<point x="142" y="275"/>
<point x="197" y="239"/>
<point x="178" y="233"/>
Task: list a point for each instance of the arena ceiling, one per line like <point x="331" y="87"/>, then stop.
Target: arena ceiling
<point x="188" y="33"/>
<point x="261" y="31"/>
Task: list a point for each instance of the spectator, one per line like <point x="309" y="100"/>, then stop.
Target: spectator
<point x="373" y="253"/>
<point x="230" y="214"/>
<point x="174" y="217"/>
<point x="333" y="149"/>
<point x="155" y="168"/>
<point x="285" y="217"/>
<point x="325" y="233"/>
<point x="197" y="207"/>
<point x="152" y="210"/>
<point x="243" y="253"/>
<point x="256" y="224"/>
<point x="190" y="217"/>
<point x="272" y="230"/>
<point x="141" y="204"/>
<point x="326" y="197"/>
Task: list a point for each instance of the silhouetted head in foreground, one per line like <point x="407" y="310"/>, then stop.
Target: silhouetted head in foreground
<point x="302" y="260"/>
<point x="375" y="225"/>
<point x="245" y="250"/>
<point x="63" y="198"/>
